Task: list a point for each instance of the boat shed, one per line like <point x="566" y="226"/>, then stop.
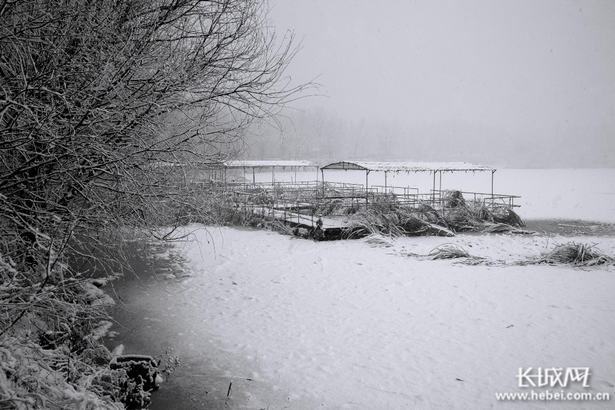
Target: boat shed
<point x="435" y="168"/>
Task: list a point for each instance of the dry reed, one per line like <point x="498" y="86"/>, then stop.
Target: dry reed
<point x="577" y="254"/>
<point x="448" y="251"/>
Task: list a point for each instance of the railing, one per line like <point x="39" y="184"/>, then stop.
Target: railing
<point x="398" y="190"/>
<point x="312" y="199"/>
<point x="492" y="201"/>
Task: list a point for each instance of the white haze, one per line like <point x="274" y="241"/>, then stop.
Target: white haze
<point x="513" y="79"/>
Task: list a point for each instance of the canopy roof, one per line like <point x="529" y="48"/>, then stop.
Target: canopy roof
<point x="268" y="164"/>
<point x="408" y="166"/>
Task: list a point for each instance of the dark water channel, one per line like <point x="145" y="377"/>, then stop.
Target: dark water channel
<point x="144" y="325"/>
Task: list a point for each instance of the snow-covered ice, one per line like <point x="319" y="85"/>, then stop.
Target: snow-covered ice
<point x="352" y="325"/>
<point x="362" y="325"/>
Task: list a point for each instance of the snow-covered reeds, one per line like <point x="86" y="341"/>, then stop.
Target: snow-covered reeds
<point x="577" y="254"/>
<point x="394" y="223"/>
<point x="448" y="251"/>
<point x="424" y="220"/>
<point x="475" y="216"/>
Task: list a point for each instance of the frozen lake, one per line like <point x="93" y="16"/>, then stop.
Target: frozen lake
<point x="297" y="324"/>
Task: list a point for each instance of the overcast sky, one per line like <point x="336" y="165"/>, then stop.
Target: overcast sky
<point x="535" y="69"/>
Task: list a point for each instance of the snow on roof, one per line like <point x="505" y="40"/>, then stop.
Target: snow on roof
<point x="268" y="164"/>
<point x="408" y="166"/>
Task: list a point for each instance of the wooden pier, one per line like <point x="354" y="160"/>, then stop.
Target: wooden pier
<point x="329" y="227"/>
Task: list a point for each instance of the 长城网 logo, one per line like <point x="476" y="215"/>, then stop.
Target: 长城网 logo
<point x="553" y="384"/>
<point x="553" y="377"/>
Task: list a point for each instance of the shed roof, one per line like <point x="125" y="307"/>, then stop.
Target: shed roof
<point x="268" y="164"/>
<point x="408" y="166"/>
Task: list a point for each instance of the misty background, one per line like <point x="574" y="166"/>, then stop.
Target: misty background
<point x="505" y="83"/>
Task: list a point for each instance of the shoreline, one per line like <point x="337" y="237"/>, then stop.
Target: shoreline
<point x="570" y="227"/>
<point x="205" y="374"/>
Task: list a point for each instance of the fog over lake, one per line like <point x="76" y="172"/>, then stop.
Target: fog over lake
<point x="517" y="84"/>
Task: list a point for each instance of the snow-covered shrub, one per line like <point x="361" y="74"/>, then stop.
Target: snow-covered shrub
<point x="35" y="378"/>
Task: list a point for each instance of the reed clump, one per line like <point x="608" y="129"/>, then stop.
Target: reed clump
<point x="475" y="216"/>
<point x="424" y="220"/>
<point x="394" y="222"/>
<point x="448" y="251"/>
<point x="577" y="254"/>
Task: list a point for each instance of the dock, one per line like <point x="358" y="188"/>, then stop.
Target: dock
<point x="323" y="209"/>
<point x="329" y="227"/>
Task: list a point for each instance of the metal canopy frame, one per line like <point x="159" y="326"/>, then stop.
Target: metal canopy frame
<point x="386" y="167"/>
<point x="273" y="164"/>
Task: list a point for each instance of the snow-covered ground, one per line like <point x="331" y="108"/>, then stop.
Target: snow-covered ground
<point x="363" y="324"/>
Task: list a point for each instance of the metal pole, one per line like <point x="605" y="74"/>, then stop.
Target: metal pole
<point x="440" y="192"/>
<point x="322" y="171"/>
<point x="366" y="187"/>
<point x="433" y="191"/>
<point x="385" y="181"/>
<point x="253" y="177"/>
<point x="492" y="175"/>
